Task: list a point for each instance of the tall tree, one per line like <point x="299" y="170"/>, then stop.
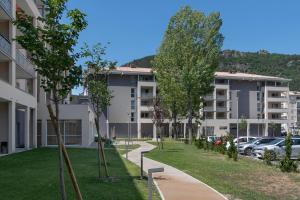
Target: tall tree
<point x="191" y="46"/>
<point x="51" y="47"/>
<point x="170" y="91"/>
<point x="96" y="83"/>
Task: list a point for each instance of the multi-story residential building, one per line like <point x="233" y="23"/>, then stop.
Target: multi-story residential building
<point x="261" y="101"/>
<point x="294" y="110"/>
<point x="18" y="81"/>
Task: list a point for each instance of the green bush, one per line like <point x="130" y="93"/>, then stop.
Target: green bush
<point x="287" y="164"/>
<point x="232" y="150"/>
<point x="268" y="157"/>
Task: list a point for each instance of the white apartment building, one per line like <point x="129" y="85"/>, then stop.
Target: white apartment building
<point x="18" y="81"/>
<point x="294" y="110"/>
<point x="263" y="102"/>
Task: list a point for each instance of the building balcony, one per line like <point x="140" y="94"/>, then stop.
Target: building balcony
<point x="221" y="98"/>
<point x="277" y="99"/>
<point x="221" y="109"/>
<point x="5" y="46"/>
<point x="277" y="110"/>
<point x="208" y="109"/>
<point x="209" y="98"/>
<point x="7" y="8"/>
<point x="25" y="64"/>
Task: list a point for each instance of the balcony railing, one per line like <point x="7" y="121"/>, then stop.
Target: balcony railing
<point x="5" y="45"/>
<point x="24" y="63"/>
<point x="6" y="6"/>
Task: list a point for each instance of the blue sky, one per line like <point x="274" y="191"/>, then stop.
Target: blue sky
<point x="135" y="28"/>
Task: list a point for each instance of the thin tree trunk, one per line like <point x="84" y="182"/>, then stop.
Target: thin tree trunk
<point x="161" y="137"/>
<point x="56" y="125"/>
<point x="61" y="146"/>
<point x="100" y="146"/>
<point x="157" y="137"/>
<point x="98" y="149"/>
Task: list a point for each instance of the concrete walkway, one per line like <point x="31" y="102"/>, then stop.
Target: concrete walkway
<point x="174" y="184"/>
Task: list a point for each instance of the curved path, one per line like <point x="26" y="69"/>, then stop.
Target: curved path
<point x="174" y="184"/>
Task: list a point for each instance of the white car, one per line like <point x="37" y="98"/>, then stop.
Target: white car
<point x="277" y="148"/>
<point x="242" y="140"/>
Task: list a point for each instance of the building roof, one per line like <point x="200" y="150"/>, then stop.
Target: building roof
<point x="245" y="76"/>
<point x="227" y="75"/>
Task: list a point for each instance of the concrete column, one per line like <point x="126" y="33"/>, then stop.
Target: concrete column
<point x="44" y="132"/>
<point x="184" y="130"/>
<point x="34" y="127"/>
<point x="154" y="132"/>
<point x="27" y="128"/>
<point x="248" y="129"/>
<point x="12" y="31"/>
<point x="170" y="129"/>
<point x="138" y="111"/>
<point x="12" y="127"/>
<point x="266" y="129"/>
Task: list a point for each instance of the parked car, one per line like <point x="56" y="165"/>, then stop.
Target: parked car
<point x="277" y="149"/>
<point x="242" y="140"/>
<point x="247" y="147"/>
<point x="212" y="139"/>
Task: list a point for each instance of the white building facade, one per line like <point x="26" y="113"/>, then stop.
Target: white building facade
<point x="18" y="81"/>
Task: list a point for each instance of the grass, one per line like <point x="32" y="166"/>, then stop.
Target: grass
<point x="33" y="175"/>
<point x="245" y="179"/>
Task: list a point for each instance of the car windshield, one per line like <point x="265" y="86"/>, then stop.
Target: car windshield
<point x="275" y="141"/>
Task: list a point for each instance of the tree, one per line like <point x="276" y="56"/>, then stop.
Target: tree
<point x="191" y="48"/>
<point x="159" y="114"/>
<point x="243" y="124"/>
<point x="171" y="93"/>
<point x="273" y="127"/>
<point x="99" y="94"/>
<point x="287" y="164"/>
<point x="52" y="51"/>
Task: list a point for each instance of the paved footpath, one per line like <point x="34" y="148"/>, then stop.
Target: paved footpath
<point x="173" y="183"/>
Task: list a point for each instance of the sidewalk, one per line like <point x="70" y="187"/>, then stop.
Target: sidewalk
<point x="173" y="183"/>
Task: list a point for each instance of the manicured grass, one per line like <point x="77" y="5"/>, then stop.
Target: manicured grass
<point x="245" y="179"/>
<point x="33" y="175"/>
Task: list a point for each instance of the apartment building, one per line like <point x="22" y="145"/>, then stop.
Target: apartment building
<point x="294" y="110"/>
<point x="260" y="101"/>
<point x="18" y="81"/>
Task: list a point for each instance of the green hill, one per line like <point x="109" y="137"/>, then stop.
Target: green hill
<point x="261" y="62"/>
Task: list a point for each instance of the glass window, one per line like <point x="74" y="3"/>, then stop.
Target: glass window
<point x="132" y="104"/>
<point x="132" y="117"/>
<point x="132" y="92"/>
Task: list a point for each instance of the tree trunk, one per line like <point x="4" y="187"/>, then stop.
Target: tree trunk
<point x="98" y="149"/>
<point x="63" y="152"/>
<point x="157" y="137"/>
<point x="161" y="137"/>
<point x="101" y="148"/>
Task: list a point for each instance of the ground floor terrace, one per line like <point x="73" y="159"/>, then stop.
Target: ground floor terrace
<point x="257" y="128"/>
<point x="17" y="127"/>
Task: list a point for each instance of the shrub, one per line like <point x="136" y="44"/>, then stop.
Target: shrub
<point x="268" y="157"/>
<point x="287" y="164"/>
<point x="232" y="150"/>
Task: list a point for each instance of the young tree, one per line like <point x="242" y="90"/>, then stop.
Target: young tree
<point x="243" y="124"/>
<point x="52" y="51"/>
<point x="159" y="114"/>
<point x="191" y="47"/>
<point x="287" y="164"/>
<point x="99" y="94"/>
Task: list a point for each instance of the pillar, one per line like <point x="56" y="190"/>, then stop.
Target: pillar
<point x="170" y="129"/>
<point x="34" y="128"/>
<point x="184" y="130"/>
<point x="27" y="128"/>
<point x="266" y="129"/>
<point x="248" y="129"/>
<point x="12" y="127"/>
<point x="154" y="132"/>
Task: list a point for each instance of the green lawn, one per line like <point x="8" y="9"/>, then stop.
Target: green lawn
<point x="245" y="179"/>
<point x="33" y="175"/>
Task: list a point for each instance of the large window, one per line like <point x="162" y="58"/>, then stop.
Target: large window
<point x="70" y="130"/>
<point x="39" y="133"/>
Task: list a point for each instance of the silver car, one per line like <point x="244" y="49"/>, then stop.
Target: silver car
<point x="247" y="147"/>
<point x="277" y="149"/>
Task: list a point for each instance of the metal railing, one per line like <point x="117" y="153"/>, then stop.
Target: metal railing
<point x="5" y="45"/>
<point x="24" y="63"/>
<point x="6" y="6"/>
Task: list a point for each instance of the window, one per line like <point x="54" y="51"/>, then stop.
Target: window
<point x="39" y="133"/>
<point x="132" y="92"/>
<point x="146" y="115"/>
<point x="223" y="127"/>
<point x="258" y="107"/>
<point x="132" y="104"/>
<point x="70" y="129"/>
<point x="132" y="117"/>
<point x="258" y="96"/>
